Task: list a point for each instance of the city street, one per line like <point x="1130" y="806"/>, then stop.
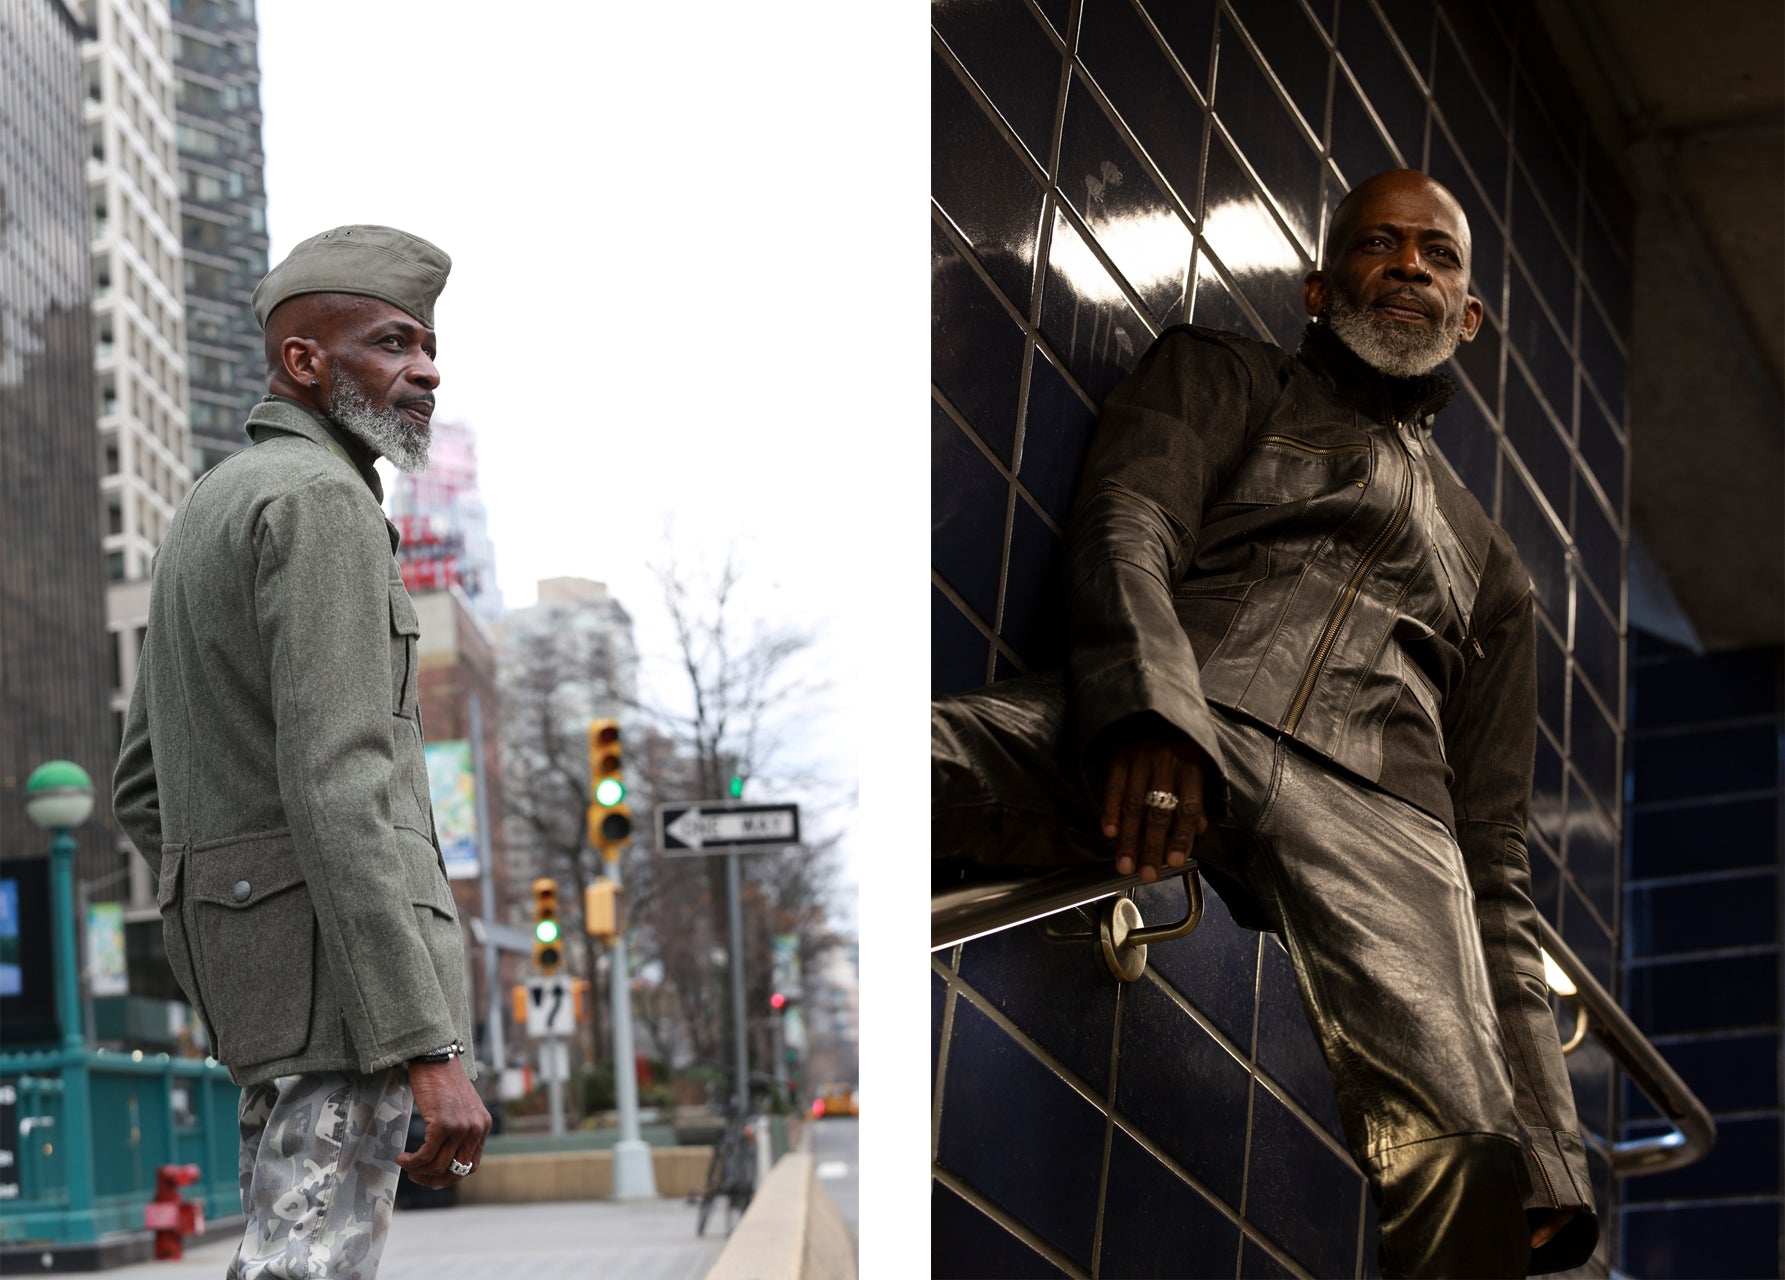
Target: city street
<point x="835" y="1144"/>
<point x="567" y="1240"/>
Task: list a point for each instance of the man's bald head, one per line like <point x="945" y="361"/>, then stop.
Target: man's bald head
<point x="1390" y="182"/>
<point x="1395" y="284"/>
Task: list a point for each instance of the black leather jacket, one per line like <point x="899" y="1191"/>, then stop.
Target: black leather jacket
<point x="1270" y="533"/>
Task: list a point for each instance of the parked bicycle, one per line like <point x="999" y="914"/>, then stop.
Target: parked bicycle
<point x="731" y="1173"/>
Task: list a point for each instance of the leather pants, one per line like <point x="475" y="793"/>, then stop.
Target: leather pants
<point x="1373" y="902"/>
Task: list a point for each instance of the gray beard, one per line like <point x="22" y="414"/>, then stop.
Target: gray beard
<point x="1401" y="351"/>
<point x="384" y="431"/>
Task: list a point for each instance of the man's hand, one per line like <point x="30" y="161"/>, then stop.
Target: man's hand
<point x="1153" y="760"/>
<point x="457" y="1123"/>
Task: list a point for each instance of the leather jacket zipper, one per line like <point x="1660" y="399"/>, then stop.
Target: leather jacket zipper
<point x="1330" y="633"/>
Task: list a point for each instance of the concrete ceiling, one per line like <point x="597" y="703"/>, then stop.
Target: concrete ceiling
<point x="1688" y="97"/>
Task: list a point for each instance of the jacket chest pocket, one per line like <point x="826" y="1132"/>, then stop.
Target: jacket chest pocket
<point x="1280" y="469"/>
<point x="405" y="635"/>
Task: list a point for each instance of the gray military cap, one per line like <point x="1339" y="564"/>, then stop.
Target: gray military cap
<point x="376" y="262"/>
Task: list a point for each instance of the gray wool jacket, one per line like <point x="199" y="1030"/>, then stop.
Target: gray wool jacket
<point x="272" y="769"/>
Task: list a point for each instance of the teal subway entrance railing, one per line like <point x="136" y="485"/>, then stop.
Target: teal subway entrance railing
<point x="142" y="1111"/>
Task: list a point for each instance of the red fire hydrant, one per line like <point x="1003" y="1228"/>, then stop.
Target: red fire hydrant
<point x="170" y="1217"/>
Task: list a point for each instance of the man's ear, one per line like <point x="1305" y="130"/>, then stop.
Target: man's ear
<point x="1471" y="319"/>
<point x="1314" y="294"/>
<point x="301" y="359"/>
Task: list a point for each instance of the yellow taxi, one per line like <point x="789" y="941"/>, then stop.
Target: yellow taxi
<point x="835" y="1100"/>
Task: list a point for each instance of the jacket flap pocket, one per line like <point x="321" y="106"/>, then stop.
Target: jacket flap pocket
<point x="244" y="871"/>
<point x="167" y="888"/>
<point x="402" y="612"/>
<point x="428" y="888"/>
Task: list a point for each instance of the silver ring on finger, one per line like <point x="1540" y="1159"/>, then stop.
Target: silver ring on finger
<point x="1163" y="801"/>
<point x="460" y="1168"/>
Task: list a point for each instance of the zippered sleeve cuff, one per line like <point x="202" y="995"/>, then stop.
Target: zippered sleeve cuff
<point x="1560" y="1180"/>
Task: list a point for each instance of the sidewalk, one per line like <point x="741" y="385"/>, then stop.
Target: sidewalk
<point x="565" y="1240"/>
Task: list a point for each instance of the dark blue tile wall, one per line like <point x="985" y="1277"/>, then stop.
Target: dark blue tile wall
<point x="1104" y="168"/>
<point x="1702" y="948"/>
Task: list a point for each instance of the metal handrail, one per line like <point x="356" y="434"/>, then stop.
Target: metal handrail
<point x="1694" y="1132"/>
<point x="960" y="913"/>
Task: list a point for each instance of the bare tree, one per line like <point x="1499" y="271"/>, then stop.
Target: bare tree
<point x="747" y="690"/>
<point x="733" y="691"/>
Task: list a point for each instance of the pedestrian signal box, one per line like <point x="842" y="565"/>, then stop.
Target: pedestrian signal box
<point x="601" y="910"/>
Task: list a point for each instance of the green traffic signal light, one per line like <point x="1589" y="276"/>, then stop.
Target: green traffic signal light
<point x="546" y="931"/>
<point x="737" y="788"/>
<point x="609" y="792"/>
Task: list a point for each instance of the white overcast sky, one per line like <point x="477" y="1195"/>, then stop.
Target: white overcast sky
<point x="689" y="281"/>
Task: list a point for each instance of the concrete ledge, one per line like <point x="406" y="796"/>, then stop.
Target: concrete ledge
<point x="577" y="1175"/>
<point x="791" y="1231"/>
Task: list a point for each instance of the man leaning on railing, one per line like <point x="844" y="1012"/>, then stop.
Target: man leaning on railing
<point x="1303" y="652"/>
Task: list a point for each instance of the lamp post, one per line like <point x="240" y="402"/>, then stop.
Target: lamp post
<point x="58" y="798"/>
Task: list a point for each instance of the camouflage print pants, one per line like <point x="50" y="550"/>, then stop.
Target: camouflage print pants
<point x="319" y="1174"/>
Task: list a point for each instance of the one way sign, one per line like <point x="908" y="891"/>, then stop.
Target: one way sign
<point x="716" y="826"/>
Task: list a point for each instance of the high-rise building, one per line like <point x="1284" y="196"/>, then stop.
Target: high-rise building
<point x="445" y="525"/>
<point x="138" y="307"/>
<point x="139" y="363"/>
<point x="605" y="667"/>
<point x="223" y="216"/>
<point x="53" y="681"/>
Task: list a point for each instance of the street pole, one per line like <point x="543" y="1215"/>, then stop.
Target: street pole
<point x="495" y="1043"/>
<point x="76" y="1139"/>
<point x="635" y="1177"/>
<point x="735" y="909"/>
<point x="554" y="1081"/>
<point x="778" y="1026"/>
<point x="88" y="1020"/>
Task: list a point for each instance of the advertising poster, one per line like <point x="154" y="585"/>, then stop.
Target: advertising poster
<point x="786" y="965"/>
<point x="452" y="787"/>
<point x="105" y="949"/>
<point x="12" y="974"/>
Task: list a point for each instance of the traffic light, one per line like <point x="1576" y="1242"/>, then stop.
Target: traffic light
<point x="610" y="817"/>
<point x="601" y="909"/>
<point x="737" y="786"/>
<point x="777" y="1001"/>
<point x="548" y="934"/>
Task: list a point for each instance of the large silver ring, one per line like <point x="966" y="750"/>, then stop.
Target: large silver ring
<point x="460" y="1168"/>
<point x="1164" y="801"/>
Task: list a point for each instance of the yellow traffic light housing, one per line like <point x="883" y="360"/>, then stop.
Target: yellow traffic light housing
<point x="548" y="933"/>
<point x="610" y="817"/>
<point x="601" y="909"/>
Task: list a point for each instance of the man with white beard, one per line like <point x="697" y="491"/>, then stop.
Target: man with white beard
<point x="272" y="772"/>
<point x="1300" y="649"/>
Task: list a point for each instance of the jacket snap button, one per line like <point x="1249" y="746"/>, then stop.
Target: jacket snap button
<point x="242" y="890"/>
